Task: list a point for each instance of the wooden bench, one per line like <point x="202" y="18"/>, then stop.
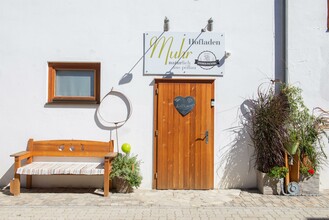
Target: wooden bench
<point x="63" y="148"/>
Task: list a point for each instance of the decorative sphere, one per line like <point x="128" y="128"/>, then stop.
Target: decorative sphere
<point x="126" y="148"/>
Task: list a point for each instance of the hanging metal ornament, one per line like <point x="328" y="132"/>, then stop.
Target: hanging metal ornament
<point x="108" y="120"/>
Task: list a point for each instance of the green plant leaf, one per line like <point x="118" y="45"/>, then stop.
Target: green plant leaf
<point x="127" y="167"/>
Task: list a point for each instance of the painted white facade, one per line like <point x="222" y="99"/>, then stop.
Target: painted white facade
<point x="35" y="32"/>
<point x="308" y="58"/>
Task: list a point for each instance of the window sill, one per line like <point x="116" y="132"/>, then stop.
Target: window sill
<point x="73" y="102"/>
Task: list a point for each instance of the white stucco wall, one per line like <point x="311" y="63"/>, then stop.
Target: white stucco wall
<point x="111" y="32"/>
<point x="308" y="58"/>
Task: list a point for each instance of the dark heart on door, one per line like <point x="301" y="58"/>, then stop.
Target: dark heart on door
<point x="184" y="105"/>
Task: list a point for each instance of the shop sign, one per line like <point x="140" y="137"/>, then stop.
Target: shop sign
<point x="184" y="53"/>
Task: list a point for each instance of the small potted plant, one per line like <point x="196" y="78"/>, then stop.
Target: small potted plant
<point x="272" y="182"/>
<point x="125" y="172"/>
<point x="278" y="172"/>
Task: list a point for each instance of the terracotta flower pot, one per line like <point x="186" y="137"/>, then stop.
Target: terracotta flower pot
<point x="306" y="161"/>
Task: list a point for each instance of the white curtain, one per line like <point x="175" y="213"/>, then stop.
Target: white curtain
<point x="74" y="83"/>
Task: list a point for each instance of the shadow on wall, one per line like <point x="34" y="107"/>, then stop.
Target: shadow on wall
<point x="9" y="175"/>
<point x="5" y="179"/>
<point x="236" y="157"/>
<point x="109" y="121"/>
<point x="126" y="78"/>
<point x="111" y="129"/>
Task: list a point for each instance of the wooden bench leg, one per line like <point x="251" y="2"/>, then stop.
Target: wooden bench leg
<point x="106" y="186"/>
<point x="15" y="186"/>
<point x="28" y="181"/>
<point x="106" y="177"/>
<point x="29" y="177"/>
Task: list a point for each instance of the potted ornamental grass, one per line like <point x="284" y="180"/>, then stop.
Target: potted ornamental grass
<point x="267" y="116"/>
<point x="125" y="173"/>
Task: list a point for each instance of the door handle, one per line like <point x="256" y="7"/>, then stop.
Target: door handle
<point x="205" y="137"/>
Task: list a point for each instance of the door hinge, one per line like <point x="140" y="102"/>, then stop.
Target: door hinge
<point x="156" y="91"/>
<point x="156" y="176"/>
<point x="156" y="132"/>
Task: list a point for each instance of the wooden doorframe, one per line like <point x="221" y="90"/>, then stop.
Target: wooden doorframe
<point x="155" y="116"/>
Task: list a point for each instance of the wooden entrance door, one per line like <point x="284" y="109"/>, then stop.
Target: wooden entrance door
<point x="183" y="145"/>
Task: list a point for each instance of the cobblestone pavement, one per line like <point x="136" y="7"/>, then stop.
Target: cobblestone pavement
<point x="161" y="204"/>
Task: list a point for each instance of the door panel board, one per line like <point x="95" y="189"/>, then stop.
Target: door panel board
<point x="183" y="159"/>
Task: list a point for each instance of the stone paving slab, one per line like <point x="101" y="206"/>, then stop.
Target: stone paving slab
<point x="160" y="204"/>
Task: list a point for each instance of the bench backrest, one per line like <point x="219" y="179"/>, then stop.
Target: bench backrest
<point x="69" y="148"/>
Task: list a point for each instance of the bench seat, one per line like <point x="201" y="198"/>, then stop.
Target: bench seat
<point x="53" y="168"/>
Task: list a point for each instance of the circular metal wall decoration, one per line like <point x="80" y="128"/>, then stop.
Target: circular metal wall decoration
<point x="184" y="105"/>
<point x="114" y="109"/>
<point x="293" y="188"/>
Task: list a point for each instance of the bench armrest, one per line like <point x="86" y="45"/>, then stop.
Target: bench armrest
<point x="18" y="161"/>
<point x="111" y="155"/>
<point x="22" y="155"/>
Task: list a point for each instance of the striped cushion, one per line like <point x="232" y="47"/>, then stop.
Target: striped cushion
<point x="49" y="168"/>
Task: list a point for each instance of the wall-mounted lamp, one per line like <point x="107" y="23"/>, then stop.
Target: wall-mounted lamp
<point x="166" y="24"/>
<point x="209" y="26"/>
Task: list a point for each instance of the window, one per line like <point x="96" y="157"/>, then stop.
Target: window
<point x="74" y="82"/>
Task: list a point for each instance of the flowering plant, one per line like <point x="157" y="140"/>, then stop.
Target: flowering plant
<point x="307" y="171"/>
<point x="306" y="131"/>
<point x="311" y="172"/>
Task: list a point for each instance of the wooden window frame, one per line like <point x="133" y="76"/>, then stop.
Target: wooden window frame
<point x="54" y="66"/>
